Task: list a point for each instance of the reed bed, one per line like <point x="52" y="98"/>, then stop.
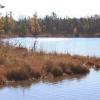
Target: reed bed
<point x="18" y="64"/>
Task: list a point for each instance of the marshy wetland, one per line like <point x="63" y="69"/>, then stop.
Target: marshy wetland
<point x="68" y="67"/>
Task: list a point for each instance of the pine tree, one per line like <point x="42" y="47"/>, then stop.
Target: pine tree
<point x="11" y="23"/>
<point x="6" y="24"/>
<point x="1" y="21"/>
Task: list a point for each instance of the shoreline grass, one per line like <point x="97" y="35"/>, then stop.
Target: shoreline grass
<point x="19" y="64"/>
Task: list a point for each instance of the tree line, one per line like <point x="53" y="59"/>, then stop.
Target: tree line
<point x="49" y="25"/>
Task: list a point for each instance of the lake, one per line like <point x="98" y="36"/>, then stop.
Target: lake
<point x="82" y="88"/>
<point x="79" y="46"/>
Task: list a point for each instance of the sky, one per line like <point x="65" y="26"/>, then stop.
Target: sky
<point x="63" y="8"/>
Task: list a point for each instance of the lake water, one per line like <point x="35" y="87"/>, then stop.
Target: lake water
<point x="86" y="88"/>
<point x="80" y="46"/>
<point x="83" y="88"/>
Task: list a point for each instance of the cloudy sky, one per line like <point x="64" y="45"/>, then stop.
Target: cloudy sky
<point x="71" y="8"/>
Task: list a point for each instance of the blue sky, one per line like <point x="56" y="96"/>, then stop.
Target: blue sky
<point x="63" y="8"/>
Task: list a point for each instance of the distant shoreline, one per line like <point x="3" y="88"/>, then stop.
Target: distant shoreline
<point x="54" y="36"/>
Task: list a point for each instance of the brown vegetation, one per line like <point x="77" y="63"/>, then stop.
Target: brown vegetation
<point x="18" y="64"/>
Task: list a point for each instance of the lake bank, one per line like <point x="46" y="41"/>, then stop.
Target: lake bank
<point x="50" y="35"/>
<point x="18" y="64"/>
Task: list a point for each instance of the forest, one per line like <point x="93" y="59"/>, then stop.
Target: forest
<point x="50" y="25"/>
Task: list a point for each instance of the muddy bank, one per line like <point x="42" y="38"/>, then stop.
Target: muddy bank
<point x="18" y="64"/>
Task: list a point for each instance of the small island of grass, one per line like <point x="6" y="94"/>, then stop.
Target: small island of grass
<point x="18" y="64"/>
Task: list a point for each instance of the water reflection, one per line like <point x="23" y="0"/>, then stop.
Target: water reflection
<point x="58" y="80"/>
<point x="74" y="89"/>
<point x="49" y="80"/>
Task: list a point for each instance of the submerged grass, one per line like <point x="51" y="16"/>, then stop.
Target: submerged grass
<point x="17" y="64"/>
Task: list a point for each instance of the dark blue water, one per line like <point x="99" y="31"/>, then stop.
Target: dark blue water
<point x="85" y="88"/>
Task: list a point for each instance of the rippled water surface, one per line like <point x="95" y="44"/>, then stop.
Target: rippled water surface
<point x="81" y="88"/>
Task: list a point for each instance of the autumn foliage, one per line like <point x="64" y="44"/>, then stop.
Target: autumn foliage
<point x="50" y="25"/>
<point x="35" y="27"/>
<point x="1" y="25"/>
